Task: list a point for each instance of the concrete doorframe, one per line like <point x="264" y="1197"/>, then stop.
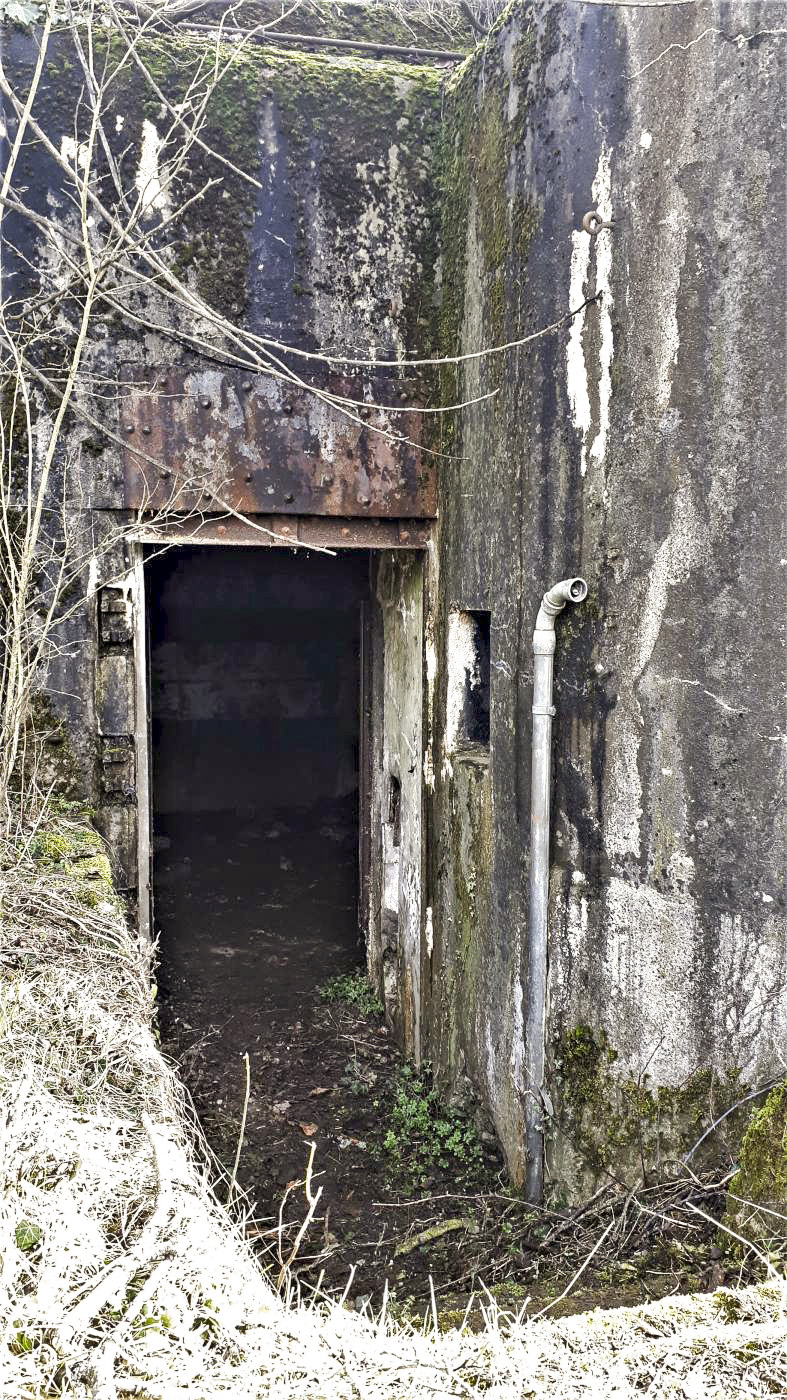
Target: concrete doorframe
<point x="392" y="743"/>
<point x="142" y="746"/>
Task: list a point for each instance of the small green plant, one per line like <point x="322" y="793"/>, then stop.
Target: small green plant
<point x="354" y="990"/>
<point x="425" y="1133"/>
<point x="27" y="1234"/>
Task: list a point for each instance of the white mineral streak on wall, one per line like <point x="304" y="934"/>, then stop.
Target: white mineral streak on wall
<point x="73" y="154"/>
<point x="462" y="667"/>
<point x="750" y="978"/>
<point x="148" y="180"/>
<point x="683" y="549"/>
<point x="93" y="575"/>
<point x="376" y="255"/>
<point x="623" y="788"/>
<point x="430" y="653"/>
<point x="508" y="54"/>
<point x="648" y="965"/>
<point x="518" y="1033"/>
<point x="429" y="931"/>
<point x="602" y="199"/>
<point x="672" y="236"/>
<point x="577" y="371"/>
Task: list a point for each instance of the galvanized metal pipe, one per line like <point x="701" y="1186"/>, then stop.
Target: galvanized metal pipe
<point x="570" y="590"/>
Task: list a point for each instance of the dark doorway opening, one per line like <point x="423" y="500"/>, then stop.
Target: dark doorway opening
<point x="255" y="734"/>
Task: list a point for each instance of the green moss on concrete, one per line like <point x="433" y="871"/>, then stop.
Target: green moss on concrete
<point x="618" y="1124"/>
<point x="483" y="130"/>
<point x="346" y="129"/>
<point x="761" y="1180"/>
<point x="763" y="1156"/>
<point x="47" y="753"/>
<point x="75" y="854"/>
<point x="472" y="861"/>
<point x="352" y="19"/>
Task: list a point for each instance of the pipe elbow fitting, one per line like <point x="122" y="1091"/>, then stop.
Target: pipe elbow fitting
<point x="569" y="590"/>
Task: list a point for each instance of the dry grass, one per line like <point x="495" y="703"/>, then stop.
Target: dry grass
<point x="122" y="1276"/>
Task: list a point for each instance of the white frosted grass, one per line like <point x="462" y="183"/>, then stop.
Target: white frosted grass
<point x="139" y="1284"/>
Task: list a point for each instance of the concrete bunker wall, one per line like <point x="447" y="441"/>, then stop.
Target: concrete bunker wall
<point x="329" y="244"/>
<point x="640" y="444"/>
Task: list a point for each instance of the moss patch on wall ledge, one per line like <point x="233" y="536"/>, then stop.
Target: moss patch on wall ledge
<point x="613" y="1124"/>
<point x="354" y="19"/>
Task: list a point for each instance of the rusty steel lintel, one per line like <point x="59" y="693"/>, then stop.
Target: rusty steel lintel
<point x="291" y="531"/>
<point x="210" y="439"/>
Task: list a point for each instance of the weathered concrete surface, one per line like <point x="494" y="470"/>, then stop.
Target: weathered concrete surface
<point x="328" y="244"/>
<point x="397" y="918"/>
<point x="642" y="446"/>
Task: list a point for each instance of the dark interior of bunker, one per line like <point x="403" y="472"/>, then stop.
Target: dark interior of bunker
<point x="254" y="684"/>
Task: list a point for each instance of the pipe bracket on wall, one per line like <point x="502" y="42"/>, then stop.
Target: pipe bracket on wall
<point x="571" y="590"/>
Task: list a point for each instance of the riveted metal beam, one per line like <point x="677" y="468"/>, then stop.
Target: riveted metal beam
<point x="216" y="438"/>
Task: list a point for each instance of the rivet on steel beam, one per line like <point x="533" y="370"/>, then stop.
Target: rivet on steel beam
<point x="289" y="498"/>
<point x="285" y="529"/>
<point x="164" y="475"/>
<point x="146" y="429"/>
<point x="221" y="529"/>
<point x="326" y="479"/>
<point x="287" y="408"/>
<point x="365" y="500"/>
<point x="365" y="413"/>
<point x="344" y="532"/>
<point x="205" y="403"/>
<point x="404" y="534"/>
<point x="249" y="476"/>
<point x="402" y="395"/>
<point x="129" y="427"/>
<point x="246" y="385"/>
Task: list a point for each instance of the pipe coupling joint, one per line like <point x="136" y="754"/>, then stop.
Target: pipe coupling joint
<point x="544" y="642"/>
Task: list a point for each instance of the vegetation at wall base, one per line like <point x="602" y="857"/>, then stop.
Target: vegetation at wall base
<point x="354" y="989"/>
<point x="424" y="1133"/>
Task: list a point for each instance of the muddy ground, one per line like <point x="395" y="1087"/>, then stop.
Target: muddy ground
<point x="407" y="1189"/>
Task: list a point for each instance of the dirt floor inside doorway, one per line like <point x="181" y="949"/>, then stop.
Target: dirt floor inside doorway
<point x="323" y="1068"/>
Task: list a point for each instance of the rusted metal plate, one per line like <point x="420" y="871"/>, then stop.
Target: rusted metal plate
<point x="215" y="438"/>
<point x="311" y="531"/>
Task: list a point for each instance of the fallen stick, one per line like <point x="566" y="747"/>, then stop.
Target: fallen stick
<point x="435" y="1232"/>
